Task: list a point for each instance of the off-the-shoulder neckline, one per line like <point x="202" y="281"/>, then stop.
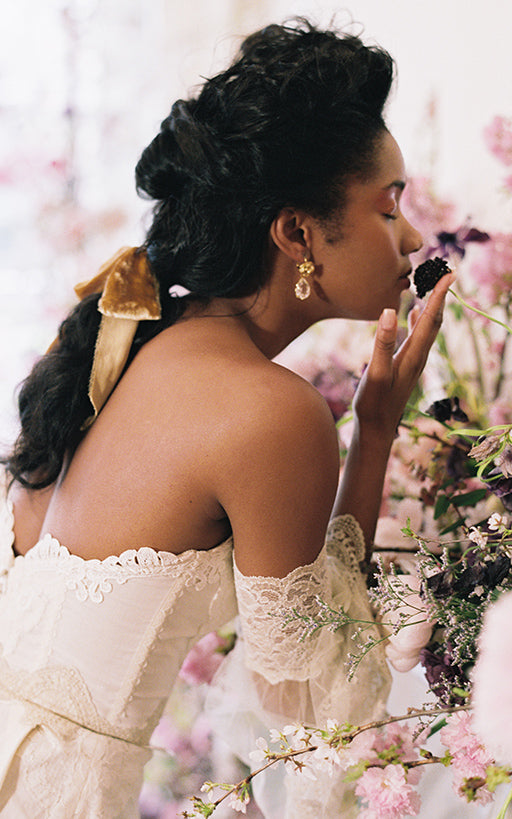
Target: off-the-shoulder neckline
<point x="141" y="554"/>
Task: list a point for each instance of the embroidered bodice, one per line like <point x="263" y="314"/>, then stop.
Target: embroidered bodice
<point x="90" y="649"/>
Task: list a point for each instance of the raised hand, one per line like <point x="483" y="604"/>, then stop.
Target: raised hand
<point x="391" y="376"/>
<point x="379" y="403"/>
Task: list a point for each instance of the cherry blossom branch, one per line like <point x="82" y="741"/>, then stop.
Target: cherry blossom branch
<point x="240" y="789"/>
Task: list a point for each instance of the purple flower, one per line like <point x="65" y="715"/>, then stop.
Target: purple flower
<point x="441" y="584"/>
<point x="454" y="243"/>
<point x="441" y="675"/>
<point x="447" y="408"/>
<point x="502" y="488"/>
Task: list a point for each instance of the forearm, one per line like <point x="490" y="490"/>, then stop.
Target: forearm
<point x="362" y="480"/>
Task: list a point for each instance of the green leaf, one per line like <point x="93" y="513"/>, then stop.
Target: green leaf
<point x="442" y="506"/>
<point x="469" y="498"/>
<point x="451" y="528"/>
<point x="437" y="727"/>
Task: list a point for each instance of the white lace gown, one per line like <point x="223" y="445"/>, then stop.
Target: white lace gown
<point x="90" y="649"/>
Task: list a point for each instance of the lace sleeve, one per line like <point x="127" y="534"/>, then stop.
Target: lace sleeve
<point x="272" y="648"/>
<point x="272" y="677"/>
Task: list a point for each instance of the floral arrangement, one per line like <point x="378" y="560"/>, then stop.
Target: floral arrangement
<point x="442" y="581"/>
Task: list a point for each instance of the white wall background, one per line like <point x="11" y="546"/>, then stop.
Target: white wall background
<point x="85" y="83"/>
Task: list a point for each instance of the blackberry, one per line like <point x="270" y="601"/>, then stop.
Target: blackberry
<point x="428" y="274"/>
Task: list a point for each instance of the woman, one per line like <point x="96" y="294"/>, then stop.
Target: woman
<point x="163" y="443"/>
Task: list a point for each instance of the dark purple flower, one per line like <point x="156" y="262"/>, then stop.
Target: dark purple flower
<point x="502" y="488"/>
<point x="441" y="675"/>
<point x="468" y="579"/>
<point x="441" y="584"/>
<point x="496" y="571"/>
<point x="454" y="243"/>
<point x="446" y="409"/>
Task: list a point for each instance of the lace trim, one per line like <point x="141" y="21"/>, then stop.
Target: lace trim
<point x="272" y="646"/>
<point x="92" y="579"/>
<point x="58" y="698"/>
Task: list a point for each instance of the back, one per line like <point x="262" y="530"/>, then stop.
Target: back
<point x="170" y="449"/>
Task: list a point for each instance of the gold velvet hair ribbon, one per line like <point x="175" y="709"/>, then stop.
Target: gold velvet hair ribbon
<point x="130" y="294"/>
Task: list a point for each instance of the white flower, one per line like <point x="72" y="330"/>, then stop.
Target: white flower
<point x="261" y="753"/>
<point x="497" y="521"/>
<point x="239" y="802"/>
<point x="303" y="770"/>
<point x="477" y="537"/>
<point x="290" y="729"/>
<point x="298" y="736"/>
<point x="275" y="736"/>
<point x="325" y="758"/>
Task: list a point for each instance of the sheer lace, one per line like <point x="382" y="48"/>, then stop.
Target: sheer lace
<point x="264" y="603"/>
<point x="272" y="678"/>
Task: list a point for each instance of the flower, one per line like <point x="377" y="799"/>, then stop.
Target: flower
<point x="497" y="522"/>
<point x="239" y="802"/>
<point x="498" y="137"/>
<point x="203" y="659"/>
<point x="470" y="759"/>
<point x="476" y="536"/>
<point x="492" y="266"/>
<point x="387" y="793"/>
<point x="492" y="691"/>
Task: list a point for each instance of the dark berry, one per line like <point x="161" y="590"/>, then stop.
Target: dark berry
<point x="428" y="274"/>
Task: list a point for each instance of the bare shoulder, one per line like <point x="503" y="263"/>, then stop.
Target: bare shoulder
<point x="280" y="404"/>
<point x="280" y="481"/>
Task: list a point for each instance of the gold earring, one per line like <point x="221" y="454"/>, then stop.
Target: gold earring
<point x="303" y="287"/>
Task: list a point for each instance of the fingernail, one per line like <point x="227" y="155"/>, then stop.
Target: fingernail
<point x="388" y="319"/>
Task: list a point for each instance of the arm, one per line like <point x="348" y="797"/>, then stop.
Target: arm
<point x="280" y="474"/>
<point x="378" y="406"/>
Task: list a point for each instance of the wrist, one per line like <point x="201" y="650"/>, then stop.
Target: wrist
<point x="373" y="435"/>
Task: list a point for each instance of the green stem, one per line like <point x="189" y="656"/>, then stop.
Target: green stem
<point x="503" y="812"/>
<point x="480" y="312"/>
<point x="501" y="373"/>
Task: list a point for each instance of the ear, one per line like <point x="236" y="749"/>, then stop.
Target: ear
<point x="291" y="232"/>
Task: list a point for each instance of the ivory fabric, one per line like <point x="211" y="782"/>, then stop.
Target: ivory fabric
<point x="90" y="649"/>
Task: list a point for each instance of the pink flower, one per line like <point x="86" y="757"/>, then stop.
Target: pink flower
<point x="458" y="734"/>
<point x="387" y="793"/>
<point x="498" y="138"/>
<point x="492" y="691"/>
<point x="492" y="265"/>
<point x="203" y="660"/>
<point x="470" y="758"/>
<point x="360" y="748"/>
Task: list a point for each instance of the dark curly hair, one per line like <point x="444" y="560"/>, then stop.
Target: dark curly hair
<point x="296" y="117"/>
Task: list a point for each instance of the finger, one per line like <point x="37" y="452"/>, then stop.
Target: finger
<point x="381" y="362"/>
<point x="435" y="304"/>
<point x="413" y="317"/>
<point x="427" y="326"/>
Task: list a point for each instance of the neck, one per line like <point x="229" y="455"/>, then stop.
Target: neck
<point x="273" y="317"/>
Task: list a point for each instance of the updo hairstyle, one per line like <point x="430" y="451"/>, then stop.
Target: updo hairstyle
<point x="295" y="118"/>
<point x="289" y="123"/>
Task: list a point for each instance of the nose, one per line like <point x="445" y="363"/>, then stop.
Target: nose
<point x="412" y="240"/>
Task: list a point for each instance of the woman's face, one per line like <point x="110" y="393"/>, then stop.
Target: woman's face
<point x="362" y="265"/>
